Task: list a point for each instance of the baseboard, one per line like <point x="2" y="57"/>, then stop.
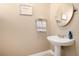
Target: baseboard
<point x="44" y="53"/>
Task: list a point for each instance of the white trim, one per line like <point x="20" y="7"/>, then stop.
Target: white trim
<point x="44" y="53"/>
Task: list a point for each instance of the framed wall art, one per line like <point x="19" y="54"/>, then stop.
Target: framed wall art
<point x="25" y="9"/>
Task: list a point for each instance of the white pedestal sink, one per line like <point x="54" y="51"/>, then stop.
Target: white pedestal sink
<point x="58" y="42"/>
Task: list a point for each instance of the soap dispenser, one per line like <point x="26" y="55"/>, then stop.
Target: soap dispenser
<point x="70" y="35"/>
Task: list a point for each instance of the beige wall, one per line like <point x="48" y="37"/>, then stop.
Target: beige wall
<point x="18" y="35"/>
<point x="73" y="26"/>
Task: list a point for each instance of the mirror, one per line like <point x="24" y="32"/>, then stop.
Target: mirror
<point x="64" y="14"/>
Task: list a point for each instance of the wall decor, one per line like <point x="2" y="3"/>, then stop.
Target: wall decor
<point x="25" y="9"/>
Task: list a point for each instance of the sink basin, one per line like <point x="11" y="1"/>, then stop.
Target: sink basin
<point x="58" y="42"/>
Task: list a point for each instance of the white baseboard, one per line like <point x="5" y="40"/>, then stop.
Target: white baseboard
<point x="44" y="53"/>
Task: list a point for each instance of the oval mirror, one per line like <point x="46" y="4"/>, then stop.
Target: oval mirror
<point x="64" y="14"/>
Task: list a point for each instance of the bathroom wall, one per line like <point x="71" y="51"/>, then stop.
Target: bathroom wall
<point x="73" y="26"/>
<point x="18" y="35"/>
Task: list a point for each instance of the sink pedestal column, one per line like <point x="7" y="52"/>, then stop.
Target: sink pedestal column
<point x="57" y="50"/>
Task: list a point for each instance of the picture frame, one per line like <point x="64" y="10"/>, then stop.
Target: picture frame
<point x="25" y="9"/>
